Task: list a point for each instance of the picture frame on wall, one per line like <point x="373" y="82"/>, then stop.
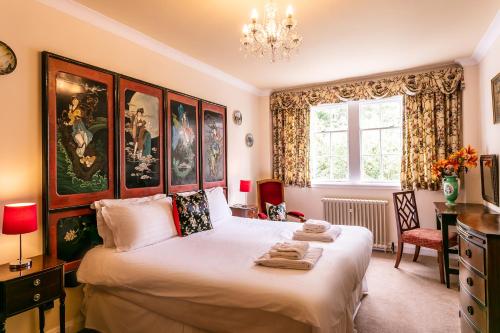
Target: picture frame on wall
<point x="213" y="133"/>
<point x="71" y="234"/>
<point x="141" y="134"/>
<point x="495" y="93"/>
<point x="182" y="143"/>
<point x="78" y="131"/>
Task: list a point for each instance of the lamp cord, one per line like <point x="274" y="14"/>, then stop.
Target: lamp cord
<point x="20" y="249"/>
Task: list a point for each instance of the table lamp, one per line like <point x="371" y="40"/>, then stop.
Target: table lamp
<point x="245" y="186"/>
<point x="18" y="219"/>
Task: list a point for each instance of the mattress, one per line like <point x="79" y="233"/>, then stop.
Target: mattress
<point x="216" y="268"/>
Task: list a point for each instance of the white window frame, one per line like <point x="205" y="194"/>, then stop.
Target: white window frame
<point x="354" y="153"/>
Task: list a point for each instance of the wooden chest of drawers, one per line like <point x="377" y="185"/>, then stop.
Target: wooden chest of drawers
<point x="479" y="248"/>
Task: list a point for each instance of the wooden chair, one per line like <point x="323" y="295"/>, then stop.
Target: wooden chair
<point x="273" y="192"/>
<point x="409" y="230"/>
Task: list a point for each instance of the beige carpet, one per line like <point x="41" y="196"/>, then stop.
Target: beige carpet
<point x="409" y="299"/>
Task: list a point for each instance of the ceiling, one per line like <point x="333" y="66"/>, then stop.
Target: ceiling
<point x="342" y="38"/>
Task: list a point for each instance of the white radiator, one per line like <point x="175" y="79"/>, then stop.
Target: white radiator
<point x="370" y="214"/>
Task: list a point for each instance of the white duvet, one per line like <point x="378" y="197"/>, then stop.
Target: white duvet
<point x="217" y="267"/>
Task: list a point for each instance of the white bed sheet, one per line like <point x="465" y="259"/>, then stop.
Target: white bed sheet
<point x="216" y="268"/>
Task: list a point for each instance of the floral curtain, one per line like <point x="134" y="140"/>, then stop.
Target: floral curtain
<point x="432" y="121"/>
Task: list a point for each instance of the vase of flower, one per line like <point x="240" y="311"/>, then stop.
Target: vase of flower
<point x="448" y="170"/>
<point x="450" y="189"/>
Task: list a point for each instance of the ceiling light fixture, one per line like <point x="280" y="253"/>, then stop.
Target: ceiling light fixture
<point x="273" y="37"/>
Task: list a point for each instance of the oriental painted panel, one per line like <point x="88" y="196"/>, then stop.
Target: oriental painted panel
<point x="182" y="143"/>
<point x="213" y="145"/>
<point x="78" y="122"/>
<point x="141" y="139"/>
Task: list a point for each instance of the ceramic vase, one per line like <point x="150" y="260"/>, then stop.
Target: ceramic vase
<point x="450" y="189"/>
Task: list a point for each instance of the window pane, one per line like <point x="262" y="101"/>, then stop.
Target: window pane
<point x="370" y="167"/>
<point x="370" y="142"/>
<point x="391" y="165"/>
<point x="390" y="113"/>
<point x="339" y="168"/>
<point x="339" y="144"/>
<point x="369" y="115"/>
<point x="329" y="117"/>
<point x="320" y="119"/>
<point x="321" y="168"/>
<point x="320" y="144"/>
<point x="391" y="141"/>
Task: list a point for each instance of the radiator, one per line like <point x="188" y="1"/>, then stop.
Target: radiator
<point x="370" y="214"/>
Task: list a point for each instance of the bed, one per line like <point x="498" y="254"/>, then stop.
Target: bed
<point x="208" y="282"/>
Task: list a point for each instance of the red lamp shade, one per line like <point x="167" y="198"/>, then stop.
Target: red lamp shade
<point x="19" y="218"/>
<point x="245" y="185"/>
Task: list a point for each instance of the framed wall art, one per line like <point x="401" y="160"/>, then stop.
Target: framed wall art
<point x="213" y="145"/>
<point x="495" y="92"/>
<point x="78" y="126"/>
<point x="72" y="234"/>
<point x="141" y="138"/>
<point x="182" y="143"/>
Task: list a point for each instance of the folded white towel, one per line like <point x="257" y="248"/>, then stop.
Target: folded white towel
<point x="315" y="226"/>
<point x="328" y="236"/>
<point x="306" y="263"/>
<point x="286" y="255"/>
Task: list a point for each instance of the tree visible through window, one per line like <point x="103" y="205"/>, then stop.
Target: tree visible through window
<point x="357" y="141"/>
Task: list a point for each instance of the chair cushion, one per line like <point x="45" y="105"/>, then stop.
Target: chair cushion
<point x="426" y="237"/>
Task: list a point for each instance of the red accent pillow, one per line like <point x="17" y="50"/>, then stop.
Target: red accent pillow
<point x="175" y="212"/>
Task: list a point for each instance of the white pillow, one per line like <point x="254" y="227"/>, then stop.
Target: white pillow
<point x="102" y="229"/>
<point x="217" y="204"/>
<point x="140" y="224"/>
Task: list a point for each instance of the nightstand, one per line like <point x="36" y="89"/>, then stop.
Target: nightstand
<point x="249" y="211"/>
<point x="32" y="288"/>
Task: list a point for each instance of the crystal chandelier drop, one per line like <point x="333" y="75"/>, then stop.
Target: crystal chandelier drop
<point x="273" y="37"/>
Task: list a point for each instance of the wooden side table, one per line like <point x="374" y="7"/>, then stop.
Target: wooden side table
<point x="36" y="287"/>
<point x="446" y="216"/>
<point x="248" y="211"/>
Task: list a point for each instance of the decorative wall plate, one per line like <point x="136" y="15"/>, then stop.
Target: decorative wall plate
<point x="237" y="117"/>
<point x="8" y="60"/>
<point x="249" y="139"/>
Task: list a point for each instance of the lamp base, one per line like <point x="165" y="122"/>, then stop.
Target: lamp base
<point x="20" y="264"/>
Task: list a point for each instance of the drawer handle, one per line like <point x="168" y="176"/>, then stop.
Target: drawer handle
<point x="468" y="253"/>
<point x="37" y="282"/>
<point x="469" y="281"/>
<point x="36" y="297"/>
<point x="470" y="310"/>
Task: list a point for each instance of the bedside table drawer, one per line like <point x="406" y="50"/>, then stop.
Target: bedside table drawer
<point x="33" y="290"/>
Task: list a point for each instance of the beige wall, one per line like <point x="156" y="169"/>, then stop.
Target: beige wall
<point x="308" y="200"/>
<point x="30" y="27"/>
<point x="490" y="133"/>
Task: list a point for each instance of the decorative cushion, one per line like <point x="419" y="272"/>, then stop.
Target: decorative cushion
<point x="191" y="213"/>
<point x="430" y="238"/>
<point x="102" y="228"/>
<point x="140" y="224"/>
<point x="217" y="204"/>
<point x="276" y="212"/>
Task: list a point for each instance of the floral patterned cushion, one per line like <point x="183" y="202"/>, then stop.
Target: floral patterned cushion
<point x="276" y="212"/>
<point x="191" y="213"/>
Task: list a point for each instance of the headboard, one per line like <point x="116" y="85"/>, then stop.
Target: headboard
<point x="107" y="135"/>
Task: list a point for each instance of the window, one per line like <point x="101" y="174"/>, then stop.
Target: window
<point x="356" y="142"/>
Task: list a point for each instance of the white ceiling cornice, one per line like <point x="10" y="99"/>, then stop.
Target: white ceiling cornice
<point x="106" y="23"/>
<point x="488" y="39"/>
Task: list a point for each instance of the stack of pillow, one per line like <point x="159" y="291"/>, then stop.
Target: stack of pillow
<point x="127" y="224"/>
<point x="317" y="230"/>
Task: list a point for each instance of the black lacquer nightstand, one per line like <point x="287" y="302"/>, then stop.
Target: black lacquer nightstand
<point x="32" y="288"/>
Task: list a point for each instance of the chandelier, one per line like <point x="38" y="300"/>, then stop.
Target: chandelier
<point x="273" y="37"/>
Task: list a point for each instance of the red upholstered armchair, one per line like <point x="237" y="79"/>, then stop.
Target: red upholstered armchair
<point x="272" y="191"/>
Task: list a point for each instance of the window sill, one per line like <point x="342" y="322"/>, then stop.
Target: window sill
<point x="385" y="186"/>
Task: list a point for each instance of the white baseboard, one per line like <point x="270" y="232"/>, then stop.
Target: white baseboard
<point x="410" y="249"/>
